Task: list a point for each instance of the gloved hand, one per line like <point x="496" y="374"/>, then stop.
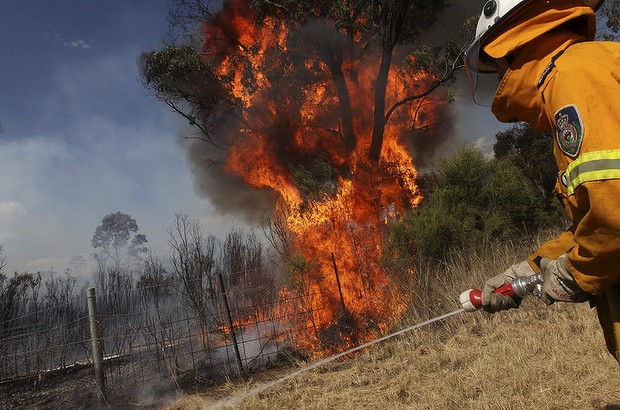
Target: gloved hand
<point x="494" y="302"/>
<point x="558" y="283"/>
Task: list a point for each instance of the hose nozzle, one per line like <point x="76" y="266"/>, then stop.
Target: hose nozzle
<point x="520" y="287"/>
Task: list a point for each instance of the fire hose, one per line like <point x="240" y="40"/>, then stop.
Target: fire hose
<point x="471" y="301"/>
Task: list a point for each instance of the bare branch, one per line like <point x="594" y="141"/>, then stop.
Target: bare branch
<point x="448" y="75"/>
<point x="185" y="18"/>
<point x="277" y="233"/>
<point x="195" y="122"/>
<point x="289" y="13"/>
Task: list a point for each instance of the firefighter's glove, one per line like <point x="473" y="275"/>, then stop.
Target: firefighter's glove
<point x="494" y="302"/>
<point x="558" y="283"/>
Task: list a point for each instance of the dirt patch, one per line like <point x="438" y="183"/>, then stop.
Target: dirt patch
<point x="75" y="389"/>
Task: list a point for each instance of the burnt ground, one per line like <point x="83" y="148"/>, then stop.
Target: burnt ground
<point x="51" y="391"/>
<point x="76" y="389"/>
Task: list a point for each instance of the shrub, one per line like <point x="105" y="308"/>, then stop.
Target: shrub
<point x="473" y="198"/>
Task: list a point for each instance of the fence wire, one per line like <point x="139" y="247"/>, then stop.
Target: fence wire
<point x="146" y="337"/>
<point x="168" y="333"/>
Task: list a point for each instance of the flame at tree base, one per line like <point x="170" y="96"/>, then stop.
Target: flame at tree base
<point x="340" y="241"/>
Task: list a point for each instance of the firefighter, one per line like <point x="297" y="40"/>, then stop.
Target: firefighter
<point x="550" y="73"/>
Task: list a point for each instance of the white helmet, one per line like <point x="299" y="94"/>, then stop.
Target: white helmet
<point x="496" y="15"/>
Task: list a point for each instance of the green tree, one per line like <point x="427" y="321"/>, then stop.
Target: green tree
<point x="117" y="237"/>
<point x="184" y="82"/>
<point x="472" y="198"/>
<point x="532" y="153"/>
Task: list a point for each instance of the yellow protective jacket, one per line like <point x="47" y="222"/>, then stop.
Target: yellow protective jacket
<point x="571" y="87"/>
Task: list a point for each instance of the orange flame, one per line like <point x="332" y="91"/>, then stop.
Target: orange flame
<point x="340" y="232"/>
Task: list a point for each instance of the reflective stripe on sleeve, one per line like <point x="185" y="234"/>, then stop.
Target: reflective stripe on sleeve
<point x="593" y="166"/>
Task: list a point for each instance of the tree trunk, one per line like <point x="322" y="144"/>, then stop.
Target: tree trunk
<point x="346" y="112"/>
<point x="378" y="129"/>
<point x="393" y="13"/>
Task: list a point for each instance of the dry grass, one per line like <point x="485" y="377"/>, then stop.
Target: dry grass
<point x="537" y="357"/>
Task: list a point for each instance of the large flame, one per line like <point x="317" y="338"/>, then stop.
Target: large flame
<point x="338" y="231"/>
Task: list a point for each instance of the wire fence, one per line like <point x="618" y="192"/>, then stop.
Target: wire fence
<point x="49" y="337"/>
<point x="170" y="341"/>
<point x="156" y="333"/>
<point x="174" y="332"/>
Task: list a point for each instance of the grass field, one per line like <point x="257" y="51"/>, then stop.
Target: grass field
<point x="536" y="357"/>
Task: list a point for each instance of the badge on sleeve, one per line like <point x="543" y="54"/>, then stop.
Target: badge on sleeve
<point x="569" y="130"/>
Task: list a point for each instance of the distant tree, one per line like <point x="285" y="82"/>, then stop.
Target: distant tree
<point x="246" y="269"/>
<point x="192" y="260"/>
<point x="59" y="294"/>
<point x="154" y="281"/>
<point x="117" y="238"/>
<point x="114" y="285"/>
<point x="3" y="259"/>
<point x="78" y="265"/>
<point x="532" y="153"/>
<point x="18" y="296"/>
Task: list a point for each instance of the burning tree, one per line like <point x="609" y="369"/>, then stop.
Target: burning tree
<point x="313" y="103"/>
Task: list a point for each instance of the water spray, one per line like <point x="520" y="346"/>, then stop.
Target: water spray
<point x="259" y="389"/>
<point x="471" y="300"/>
<point x="521" y="286"/>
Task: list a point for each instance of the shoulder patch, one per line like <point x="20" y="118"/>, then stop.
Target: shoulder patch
<point x="569" y="130"/>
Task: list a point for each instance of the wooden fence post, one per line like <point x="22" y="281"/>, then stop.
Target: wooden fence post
<point x="230" y="323"/>
<point x="344" y="308"/>
<point x="97" y="344"/>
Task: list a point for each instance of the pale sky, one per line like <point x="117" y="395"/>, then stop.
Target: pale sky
<point x="82" y="138"/>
